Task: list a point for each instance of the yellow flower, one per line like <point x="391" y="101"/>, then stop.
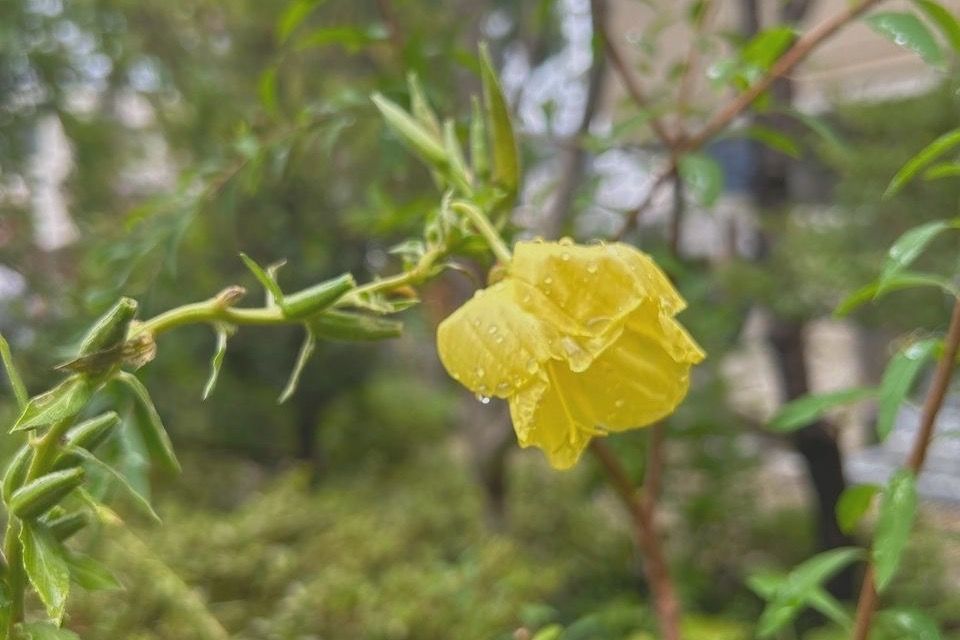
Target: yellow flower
<point x="581" y="340"/>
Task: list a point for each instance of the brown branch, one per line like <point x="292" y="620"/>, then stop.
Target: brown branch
<point x="665" y="601"/>
<point x="632" y="218"/>
<point x="630" y="82"/>
<point x="784" y="64"/>
<point x="928" y="419"/>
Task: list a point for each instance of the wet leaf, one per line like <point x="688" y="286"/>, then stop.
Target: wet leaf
<point x="799" y="413"/>
<point x="898" y="379"/>
<point x="906" y="30"/>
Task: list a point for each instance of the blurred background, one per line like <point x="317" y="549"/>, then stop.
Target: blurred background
<point x="143" y="145"/>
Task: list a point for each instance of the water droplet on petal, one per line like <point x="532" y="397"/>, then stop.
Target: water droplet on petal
<point x="492" y="329"/>
<point x="482" y="399"/>
<point x="619" y="402"/>
<point x="566" y="241"/>
<point x="480" y="372"/>
<point x="503" y="388"/>
<point x="548" y="281"/>
<point x="532" y="366"/>
<point x="565" y="256"/>
<point x="592" y="268"/>
<point x="498" y="339"/>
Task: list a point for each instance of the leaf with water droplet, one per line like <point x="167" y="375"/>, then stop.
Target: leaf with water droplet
<point x="906" y="30"/>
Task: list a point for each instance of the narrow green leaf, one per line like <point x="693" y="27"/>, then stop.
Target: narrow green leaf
<point x="895" y="282"/>
<point x="909" y="623"/>
<point x="354" y="327"/>
<point x="898" y="508"/>
<point x="267" y="90"/>
<point x="46" y="565"/>
<point x="830" y="607"/>
<point x="798" y="413"/>
<point x="704" y="176"/>
<point x="820" y="127"/>
<point x="551" y="632"/>
<point x="420" y="106"/>
<point x="266" y="279"/>
<point x="44" y="631"/>
<point x="478" y="141"/>
<point x="764" y="48"/>
<point x="306" y="350"/>
<point x="90" y="574"/>
<point x="776" y="616"/>
<point x="815" y="571"/>
<point x="16" y="382"/>
<point x="63" y="401"/>
<point x="149" y="426"/>
<point x="774" y="139"/>
<point x="906" y="30"/>
<point x="216" y="362"/>
<point x="505" y="162"/>
<point x="942" y="170"/>
<point x="458" y="164"/>
<point x="897" y="381"/>
<point x="853" y="505"/>
<point x="909" y="246"/>
<point x="944" y="19"/>
<point x="414" y="134"/>
<point x="924" y="157"/>
<point x="138" y="498"/>
<point x="293" y="16"/>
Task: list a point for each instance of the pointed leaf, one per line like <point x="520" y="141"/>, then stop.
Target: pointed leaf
<point x="266" y="279"/>
<point x="898" y="379"/>
<point x="896" y="282"/>
<point x="505" y="162"/>
<point x="46" y="565"/>
<point x="853" y="505"/>
<point x="138" y="498"/>
<point x="799" y="413"/>
<point x="293" y="16"/>
<point x="223" y="333"/>
<point x="60" y="403"/>
<point x="420" y="106"/>
<point x="815" y="571"/>
<point x="944" y="19"/>
<point x="306" y="350"/>
<point x="148" y="423"/>
<point x="417" y="137"/>
<point x="478" y="142"/>
<point x="928" y="154"/>
<point x="90" y="574"/>
<point x="909" y="246"/>
<point x="16" y="382"/>
<point x="906" y="30"/>
<point x="774" y="139"/>
<point x="704" y="176"/>
<point x="458" y="164"/>
<point x="898" y="508"/>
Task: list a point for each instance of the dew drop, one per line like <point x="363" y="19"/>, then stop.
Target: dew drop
<point x="503" y="388"/>
<point x="480" y="372"/>
<point x="482" y="399"/>
<point x="548" y="281"/>
<point x="619" y="402"/>
<point x="566" y="241"/>
<point x="498" y="339"/>
<point x="492" y="329"/>
<point x="592" y="268"/>
<point x="565" y="256"/>
<point x="526" y="298"/>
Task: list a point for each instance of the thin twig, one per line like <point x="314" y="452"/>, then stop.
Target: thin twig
<point x="385" y="8"/>
<point x="632" y="218"/>
<point x="867" y="604"/>
<point x="630" y="82"/>
<point x="665" y="601"/>
<point x="691" y="65"/>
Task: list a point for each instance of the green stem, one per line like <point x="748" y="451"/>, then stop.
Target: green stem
<point x="486" y="229"/>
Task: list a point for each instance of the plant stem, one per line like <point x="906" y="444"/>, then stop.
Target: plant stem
<point x="867" y="604"/>
<point x="483" y="226"/>
<point x="641" y="508"/>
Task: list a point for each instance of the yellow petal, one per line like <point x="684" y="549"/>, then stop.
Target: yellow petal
<point x="491" y="345"/>
<point x="542" y="419"/>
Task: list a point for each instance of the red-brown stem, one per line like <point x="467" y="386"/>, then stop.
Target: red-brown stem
<point x="641" y="508"/>
<point x="630" y="82"/>
<point x="928" y="420"/>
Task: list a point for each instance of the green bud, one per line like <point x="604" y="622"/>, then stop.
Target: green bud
<point x="110" y="331"/>
<point x="353" y="327"/>
<point x="37" y="496"/>
<point x="318" y="297"/>
<point x="16" y="471"/>
<point x="64" y="526"/>
<point x="89" y="435"/>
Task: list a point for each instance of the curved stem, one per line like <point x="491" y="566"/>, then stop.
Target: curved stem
<point x="867" y="604"/>
<point x="486" y="229"/>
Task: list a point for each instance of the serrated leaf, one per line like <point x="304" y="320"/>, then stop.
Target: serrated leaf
<point x="853" y="505"/>
<point x="798" y="413"/>
<point x="505" y="160"/>
<point x="910" y="624"/>
<point x="896" y="282"/>
<point x="63" y="401"/>
<point x="306" y="350"/>
<point x="90" y="574"/>
<point x="16" y="382"/>
<point x="266" y="278"/>
<point x="909" y="246"/>
<point x="216" y="362"/>
<point x="149" y="425"/>
<point x="704" y="176"/>
<point x="44" y="631"/>
<point x="944" y="19"/>
<point x="46" y="567"/>
<point x="417" y="137"/>
<point x="898" y="508"/>
<point x="138" y="498"/>
<point x="906" y="30"/>
<point x="924" y="157"/>
<point x="898" y="379"/>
